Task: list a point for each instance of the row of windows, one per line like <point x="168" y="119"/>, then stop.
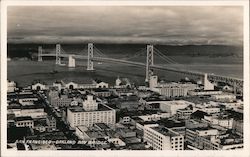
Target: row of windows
<point x="176" y="138"/>
<point x="176" y="142"/>
<point x="27" y="100"/>
<point x="153" y="137"/>
<point x="90" y="120"/>
<point x="110" y="119"/>
<point x="153" y="133"/>
<point x="91" y="123"/>
<point x="93" y="113"/>
<point x="25" y="123"/>
<point x="177" y="146"/>
<point x="93" y="117"/>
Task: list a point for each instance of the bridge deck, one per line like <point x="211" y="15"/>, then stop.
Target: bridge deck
<point x="226" y="79"/>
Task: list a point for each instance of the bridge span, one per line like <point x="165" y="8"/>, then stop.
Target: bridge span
<point x="216" y="78"/>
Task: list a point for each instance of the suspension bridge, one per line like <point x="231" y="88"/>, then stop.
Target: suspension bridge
<point x="94" y="54"/>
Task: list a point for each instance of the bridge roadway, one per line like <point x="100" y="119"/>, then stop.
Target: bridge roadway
<point x="238" y="83"/>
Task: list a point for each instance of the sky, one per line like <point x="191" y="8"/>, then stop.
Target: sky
<point x="173" y="25"/>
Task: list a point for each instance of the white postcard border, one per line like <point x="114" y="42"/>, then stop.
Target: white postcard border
<point x="5" y="152"/>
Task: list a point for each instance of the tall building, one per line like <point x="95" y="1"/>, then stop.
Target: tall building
<point x="61" y="101"/>
<point x="57" y="100"/>
<point x="207" y="84"/>
<point x="162" y="138"/>
<point x="90" y="113"/>
<point x="51" y="122"/>
<point x="153" y="82"/>
<point x="90" y="104"/>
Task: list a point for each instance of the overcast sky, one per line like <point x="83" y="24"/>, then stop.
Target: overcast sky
<point x="163" y="24"/>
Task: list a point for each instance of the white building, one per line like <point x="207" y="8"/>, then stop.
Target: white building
<point x="202" y="92"/>
<point x="233" y="105"/>
<point x="208" y="110"/>
<point x="183" y="113"/>
<point x="92" y="85"/>
<point x="224" y="122"/>
<point x="90" y="104"/>
<point x="118" y="82"/>
<point x="125" y="120"/>
<point x="87" y="86"/>
<point x="74" y="103"/>
<point x="71" y="63"/>
<point x="173" y="106"/>
<point x="90" y="113"/>
<point x="27" y="100"/>
<point x="154" y="117"/>
<point x="224" y="97"/>
<point x="207" y="84"/>
<point x="170" y="89"/>
<point x="122" y="83"/>
<point x="71" y="85"/>
<point x="61" y="101"/>
<point x="34" y="113"/>
<point x="25" y="121"/>
<point x="153" y="82"/>
<point x="227" y="88"/>
<point x="102" y="85"/>
<point x="210" y="107"/>
<point x="161" y="138"/>
<point x="38" y="86"/>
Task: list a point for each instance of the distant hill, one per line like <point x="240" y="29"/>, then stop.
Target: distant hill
<point x="29" y="50"/>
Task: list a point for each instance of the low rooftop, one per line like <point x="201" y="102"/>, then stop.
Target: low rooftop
<point x="165" y="131"/>
<point x="202" y="128"/>
<point x="19" y="106"/>
<point x="103" y="126"/>
<point x="23" y="118"/>
<point x="11" y="116"/>
<point x="96" y="134"/>
<point x="100" y="90"/>
<point x="201" y="90"/>
<point x="27" y="96"/>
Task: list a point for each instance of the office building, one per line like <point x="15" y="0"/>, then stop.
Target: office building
<point x="90" y="113"/>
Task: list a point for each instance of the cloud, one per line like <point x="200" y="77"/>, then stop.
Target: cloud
<point x="162" y="24"/>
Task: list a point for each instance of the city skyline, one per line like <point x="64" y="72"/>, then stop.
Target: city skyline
<point x="122" y="24"/>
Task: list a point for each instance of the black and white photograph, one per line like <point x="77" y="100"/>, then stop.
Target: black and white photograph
<point x="113" y="78"/>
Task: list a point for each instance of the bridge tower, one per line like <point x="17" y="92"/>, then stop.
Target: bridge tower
<point x="90" y="64"/>
<point x="149" y="61"/>
<point x="71" y="63"/>
<point x="58" y="53"/>
<point x="40" y="52"/>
